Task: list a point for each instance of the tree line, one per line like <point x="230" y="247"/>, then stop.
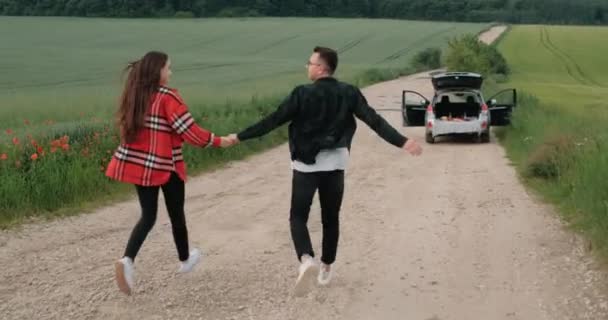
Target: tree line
<point x="513" y="11"/>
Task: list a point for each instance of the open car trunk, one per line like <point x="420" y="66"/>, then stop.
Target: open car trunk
<point x="461" y="80"/>
<point x="447" y="110"/>
<point x="457" y="112"/>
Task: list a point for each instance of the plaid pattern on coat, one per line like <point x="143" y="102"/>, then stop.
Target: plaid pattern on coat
<point x="157" y="150"/>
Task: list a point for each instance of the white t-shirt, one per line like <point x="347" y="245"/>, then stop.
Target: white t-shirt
<point x="326" y="160"/>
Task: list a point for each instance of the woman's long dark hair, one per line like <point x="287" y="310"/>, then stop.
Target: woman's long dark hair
<point x="142" y="82"/>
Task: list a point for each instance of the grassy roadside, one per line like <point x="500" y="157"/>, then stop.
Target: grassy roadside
<point x="558" y="140"/>
<point x="75" y="159"/>
<point x="563" y="157"/>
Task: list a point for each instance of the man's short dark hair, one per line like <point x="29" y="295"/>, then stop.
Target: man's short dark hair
<point x="329" y="56"/>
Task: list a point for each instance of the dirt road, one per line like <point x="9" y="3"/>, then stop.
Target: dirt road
<point x="451" y="234"/>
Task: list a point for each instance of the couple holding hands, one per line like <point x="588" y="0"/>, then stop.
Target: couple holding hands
<point x="154" y="122"/>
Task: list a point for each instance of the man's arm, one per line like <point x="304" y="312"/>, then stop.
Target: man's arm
<point x="367" y="114"/>
<point x="285" y="112"/>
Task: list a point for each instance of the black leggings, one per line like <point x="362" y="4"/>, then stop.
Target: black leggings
<point x="174" y="194"/>
<point x="331" y="189"/>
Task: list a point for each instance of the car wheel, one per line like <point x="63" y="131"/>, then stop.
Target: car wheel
<point x="484" y="137"/>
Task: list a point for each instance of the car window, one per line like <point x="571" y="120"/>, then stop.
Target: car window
<point x="457" y="97"/>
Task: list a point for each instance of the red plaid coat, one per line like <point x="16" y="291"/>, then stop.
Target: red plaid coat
<point x="157" y="150"/>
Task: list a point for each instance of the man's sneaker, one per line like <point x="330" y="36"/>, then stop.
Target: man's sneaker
<point x="125" y="275"/>
<point x="325" y="274"/>
<point x="307" y="271"/>
<point x="193" y="260"/>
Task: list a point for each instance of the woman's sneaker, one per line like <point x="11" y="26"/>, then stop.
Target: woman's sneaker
<point x="125" y="275"/>
<point x="193" y="260"/>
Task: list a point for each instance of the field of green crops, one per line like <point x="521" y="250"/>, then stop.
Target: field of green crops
<point x="59" y="67"/>
<point x="559" y="138"/>
<point x="61" y="78"/>
<point x="564" y="66"/>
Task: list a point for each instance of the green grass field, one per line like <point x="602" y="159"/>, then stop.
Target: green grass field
<point x="558" y="139"/>
<point x="59" y="67"/>
<point x="564" y="66"/>
<point x="62" y="76"/>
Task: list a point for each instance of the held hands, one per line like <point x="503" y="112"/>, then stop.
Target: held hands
<point x="412" y="147"/>
<point x="229" y="141"/>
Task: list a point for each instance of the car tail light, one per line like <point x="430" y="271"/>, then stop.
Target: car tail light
<point x="484" y="109"/>
<point x="429" y="112"/>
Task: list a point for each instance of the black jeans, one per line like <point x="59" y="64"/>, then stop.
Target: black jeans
<point x="331" y="189"/>
<point x="174" y="193"/>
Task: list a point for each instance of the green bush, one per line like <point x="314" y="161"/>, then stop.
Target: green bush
<point x="467" y="53"/>
<point x="552" y="157"/>
<point x="429" y="58"/>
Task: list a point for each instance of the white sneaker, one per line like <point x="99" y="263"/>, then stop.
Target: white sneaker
<point x="193" y="260"/>
<point x="324" y="275"/>
<point x="307" y="271"/>
<point x="125" y="275"/>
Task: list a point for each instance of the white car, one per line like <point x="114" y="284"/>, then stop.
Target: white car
<point x="457" y="107"/>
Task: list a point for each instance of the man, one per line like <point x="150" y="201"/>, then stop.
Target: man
<point x="322" y="116"/>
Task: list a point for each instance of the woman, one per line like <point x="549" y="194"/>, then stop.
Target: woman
<point x="154" y="122"/>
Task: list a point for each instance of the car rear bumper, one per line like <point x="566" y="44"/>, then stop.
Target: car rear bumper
<point x="441" y="127"/>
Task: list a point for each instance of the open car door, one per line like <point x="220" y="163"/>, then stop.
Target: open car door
<point x="413" y="108"/>
<point x="501" y="106"/>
